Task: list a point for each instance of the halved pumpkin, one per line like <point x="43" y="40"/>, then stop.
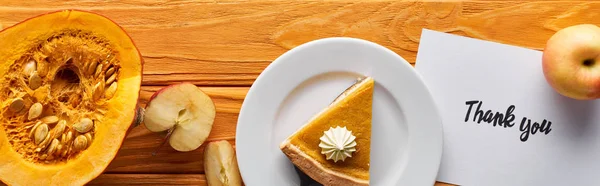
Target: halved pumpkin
<point x="69" y="93"/>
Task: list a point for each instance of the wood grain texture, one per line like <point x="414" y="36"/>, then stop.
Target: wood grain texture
<point x="230" y="42"/>
<point x="159" y="179"/>
<point x="150" y="179"/>
<point x="224" y="45"/>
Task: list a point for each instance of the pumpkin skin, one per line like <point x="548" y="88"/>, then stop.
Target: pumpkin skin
<point x="118" y="111"/>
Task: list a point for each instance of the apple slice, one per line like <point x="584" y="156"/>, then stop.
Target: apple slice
<point x="220" y="165"/>
<point x="185" y="111"/>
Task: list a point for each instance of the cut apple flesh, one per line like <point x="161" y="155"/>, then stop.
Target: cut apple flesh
<point x="184" y="109"/>
<point x="220" y="165"/>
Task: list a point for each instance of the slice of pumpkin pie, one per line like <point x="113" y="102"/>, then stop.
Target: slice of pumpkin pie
<point x="334" y="146"/>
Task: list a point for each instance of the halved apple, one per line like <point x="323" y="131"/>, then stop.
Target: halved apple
<point x="220" y="164"/>
<point x="185" y="111"/>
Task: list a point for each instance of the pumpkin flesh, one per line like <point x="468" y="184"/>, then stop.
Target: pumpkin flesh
<point x="68" y="48"/>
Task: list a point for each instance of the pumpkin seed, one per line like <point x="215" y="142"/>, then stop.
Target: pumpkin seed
<point x="80" y="143"/>
<point x="110" y="71"/>
<point x="59" y="149"/>
<point x="59" y="129"/>
<point x="92" y="68"/>
<point x="64" y="152"/>
<point x="63" y="138"/>
<point x="44" y="143"/>
<point x="52" y="147"/>
<point x="17" y="105"/>
<point x="35" y="111"/>
<point x="107" y="64"/>
<point x="28" y="126"/>
<point x="110" y="91"/>
<point x="42" y="68"/>
<point x="98" y="70"/>
<point x="50" y="119"/>
<point x="85" y="125"/>
<point x="88" y="136"/>
<point x="41" y="132"/>
<point x="111" y="79"/>
<point x="69" y="137"/>
<point x="29" y="67"/>
<point x="32" y="132"/>
<point x="50" y="157"/>
<point x="35" y="81"/>
<point x="98" y="90"/>
<point x="70" y="150"/>
<point x="43" y="156"/>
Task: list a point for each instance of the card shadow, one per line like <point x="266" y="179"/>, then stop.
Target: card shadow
<point x="579" y="113"/>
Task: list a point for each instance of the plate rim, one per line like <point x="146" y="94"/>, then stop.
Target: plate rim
<point x="434" y="108"/>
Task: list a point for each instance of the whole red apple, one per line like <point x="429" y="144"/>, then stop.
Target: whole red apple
<point x="571" y="61"/>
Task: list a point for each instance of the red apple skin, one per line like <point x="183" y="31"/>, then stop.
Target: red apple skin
<point x="159" y="91"/>
<point x="564" y="65"/>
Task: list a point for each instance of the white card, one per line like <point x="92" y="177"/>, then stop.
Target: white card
<point x="565" y="149"/>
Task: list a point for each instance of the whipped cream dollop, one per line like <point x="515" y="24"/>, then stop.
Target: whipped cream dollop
<point x="337" y="143"/>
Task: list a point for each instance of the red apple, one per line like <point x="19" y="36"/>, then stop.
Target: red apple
<point x="571" y="61"/>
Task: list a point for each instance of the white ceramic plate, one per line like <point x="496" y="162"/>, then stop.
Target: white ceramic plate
<point x="406" y="135"/>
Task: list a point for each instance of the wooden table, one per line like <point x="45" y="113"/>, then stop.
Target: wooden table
<point x="223" y="46"/>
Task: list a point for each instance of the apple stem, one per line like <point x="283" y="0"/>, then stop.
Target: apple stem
<point x="169" y="132"/>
